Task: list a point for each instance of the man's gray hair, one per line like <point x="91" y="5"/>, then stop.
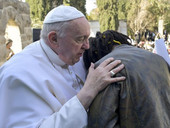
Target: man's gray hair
<point x="59" y="27"/>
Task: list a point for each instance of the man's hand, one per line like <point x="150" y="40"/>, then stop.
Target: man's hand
<point x="98" y="79"/>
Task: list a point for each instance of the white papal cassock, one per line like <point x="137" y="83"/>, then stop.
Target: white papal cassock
<point x="34" y="93"/>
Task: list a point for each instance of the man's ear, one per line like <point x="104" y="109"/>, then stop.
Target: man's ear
<point x="52" y="37"/>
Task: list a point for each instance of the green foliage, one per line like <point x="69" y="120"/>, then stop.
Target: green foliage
<point x="160" y="9"/>
<point x="161" y="6"/>
<point x="140" y="14"/>
<point x="79" y="4"/>
<point x="94" y="14"/>
<point x="167" y="27"/>
<point x="40" y="8"/>
<point x="108" y="14"/>
<point x="167" y="23"/>
<point x="122" y="9"/>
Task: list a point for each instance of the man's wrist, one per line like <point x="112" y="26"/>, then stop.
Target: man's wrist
<point x="86" y="97"/>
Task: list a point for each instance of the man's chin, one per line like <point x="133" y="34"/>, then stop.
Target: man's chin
<point x="75" y="61"/>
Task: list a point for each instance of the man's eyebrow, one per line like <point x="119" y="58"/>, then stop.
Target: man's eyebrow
<point x="82" y="36"/>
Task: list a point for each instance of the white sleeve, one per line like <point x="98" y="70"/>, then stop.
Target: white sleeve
<point x="71" y="115"/>
<point x="21" y="106"/>
<point x="161" y="50"/>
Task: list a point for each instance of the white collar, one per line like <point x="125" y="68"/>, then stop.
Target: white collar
<point x="52" y="56"/>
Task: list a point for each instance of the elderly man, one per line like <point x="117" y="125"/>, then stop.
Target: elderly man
<point x="43" y="86"/>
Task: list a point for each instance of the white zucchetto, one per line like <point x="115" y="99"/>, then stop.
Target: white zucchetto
<point x="62" y="13"/>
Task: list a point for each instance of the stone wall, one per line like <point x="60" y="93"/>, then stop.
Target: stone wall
<point x="122" y="27"/>
<point x="18" y="12"/>
<point x="94" y="27"/>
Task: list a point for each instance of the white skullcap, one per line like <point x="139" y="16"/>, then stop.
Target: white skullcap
<point x="62" y="13"/>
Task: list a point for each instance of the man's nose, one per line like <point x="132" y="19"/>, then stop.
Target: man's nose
<point x="86" y="44"/>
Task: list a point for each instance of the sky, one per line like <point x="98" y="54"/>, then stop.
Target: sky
<point x="90" y="5"/>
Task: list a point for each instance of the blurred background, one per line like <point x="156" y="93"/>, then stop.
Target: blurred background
<point x="141" y="20"/>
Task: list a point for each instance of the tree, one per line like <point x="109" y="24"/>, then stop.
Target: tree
<point x="79" y="4"/>
<point x="123" y="9"/>
<point x="108" y="14"/>
<point x="94" y="14"/>
<point x="40" y="8"/>
<point x="139" y="14"/>
<point x="161" y="9"/>
<point x="139" y="18"/>
<point x="144" y="14"/>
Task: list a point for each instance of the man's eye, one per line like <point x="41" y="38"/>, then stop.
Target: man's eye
<point x="81" y="40"/>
